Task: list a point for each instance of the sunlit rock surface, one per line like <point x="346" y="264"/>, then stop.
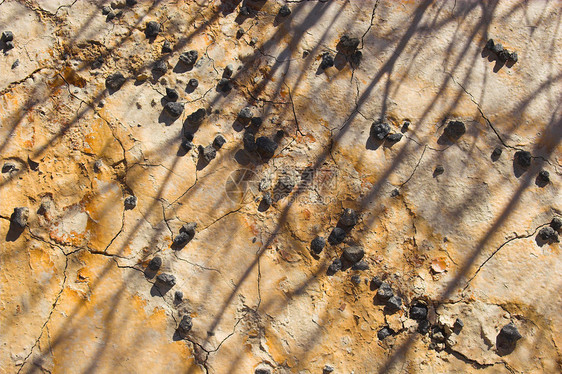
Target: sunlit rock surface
<point x="448" y="226"/>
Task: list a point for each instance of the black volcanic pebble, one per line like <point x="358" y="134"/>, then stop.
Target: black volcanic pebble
<point x="185" y="325"/>
<point x="166" y="279"/>
<point x="197" y="117"/>
<point x="317" y="244"/>
<point x="384" y="292"/>
<point x="458" y="325"/>
<point x="513" y="57"/>
<point x="394" y="138"/>
<point x="219" y="141"/>
<point x="166" y="47"/>
<point x="379" y="130"/>
<point x="160" y="67"/>
<point x="189" y="58"/>
<point x="405" y="126"/>
<point x="394" y="303"/>
<point x="256" y="121"/>
<point x="504" y="55"/>
<point x="353" y="254"/>
<point x="327" y="61"/>
<point x="155" y="263"/>
<point x="490" y="44"/>
<point x="439" y="169"/>
<point x="249" y="142"/>
<point x="130" y="202"/>
<point x="189" y="229"/>
<point x="385" y="332"/>
<point x="20" y="216"/>
<point x="178" y="296"/>
<point x="356" y="58"/>
<point x="152" y="29"/>
<point x="171" y="94"/>
<point x="284" y="11"/>
<point x="361" y="265"/>
<point x="181" y="240"/>
<point x="548" y="234"/>
<point x="497" y="152"/>
<point x="423" y="326"/>
<point x="418" y="311"/>
<point x="336" y="236"/>
<point x="455" y="129"/>
<point x="348" y="218"/>
<point x="228" y="70"/>
<point x="556" y="223"/>
<point x="174" y="109"/>
<point x="187" y="144"/>
<point x="508" y="336"/>
<point x="395" y="192"/>
<point x="193" y="83"/>
<point x="246" y="113"/>
<point x="245" y="11"/>
<point x="7" y="36"/>
<point x="114" y="81"/>
<point x="335" y="266"/>
<point x="266" y="147"/>
<point x="497" y="48"/>
<point x="376" y="282"/>
<point x="224" y="85"/>
<point x="208" y="153"/>
<point x="523" y="159"/>
<point x="348" y="45"/>
<point x="543" y="176"/>
<point x="266" y="200"/>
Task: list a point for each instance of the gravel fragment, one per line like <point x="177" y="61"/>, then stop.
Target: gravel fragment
<point x="284" y="11"/>
<point x="454" y="130"/>
<point x="418" y="311"/>
<point x="189" y="58"/>
<point x="353" y="254"/>
<point x="208" y="153"/>
<point x="20" y="216"/>
<point x="167" y="47"/>
<point x="219" y="141"/>
<point x="508" y="337"/>
<point x="327" y="61"/>
<point x="385" y="332"/>
<point x="166" y="279"/>
<point x="155" y="263"/>
<point x="348" y="218"/>
<point x="361" y="265"/>
<point x="335" y="266"/>
<point x="317" y="244"/>
<point x="394" y="137"/>
<point x="266" y="147"/>
<point x="174" y="109"/>
<point x="379" y="130"/>
<point x="185" y="325"/>
<point x="130" y="202"/>
<point x="160" y="67"/>
<point x="171" y="94"/>
<point x="523" y="159"/>
<point x="337" y="236"/>
<point x="152" y="29"/>
<point x="556" y="223"/>
<point x="385" y="292"/>
<point x="246" y="113"/>
<point x="114" y="81"/>
<point x="197" y="117"/>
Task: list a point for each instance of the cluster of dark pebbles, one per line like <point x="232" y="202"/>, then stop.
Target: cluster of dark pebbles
<point x="503" y="54"/>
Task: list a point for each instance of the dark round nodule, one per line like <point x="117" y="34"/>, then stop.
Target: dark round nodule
<point x="317" y="244"/>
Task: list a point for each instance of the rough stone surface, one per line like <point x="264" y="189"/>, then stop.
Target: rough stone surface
<point x="76" y="295"/>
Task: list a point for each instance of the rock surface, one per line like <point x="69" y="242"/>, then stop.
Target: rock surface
<point x="86" y="124"/>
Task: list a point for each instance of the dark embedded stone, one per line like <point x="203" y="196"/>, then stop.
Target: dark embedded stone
<point x="356" y="58"/>
<point x="284" y="11"/>
<point x="152" y="29"/>
<point x="504" y="55"/>
<point x="249" y="142"/>
<point x="394" y="138"/>
<point x="189" y="229"/>
<point x="228" y="70"/>
<point x="262" y="371"/>
<point x="361" y="265"/>
<point x="455" y="129"/>
<point x="497" y="152"/>
<point x="353" y="254"/>
<point x="246" y="113"/>
<point x="181" y="240"/>
<point x="8" y="167"/>
<point x="317" y="244"/>
<point x="187" y="144"/>
<point x="219" y="141"/>
<point x="197" y="117"/>
<point x="245" y="11"/>
<point x="327" y="61"/>
<point x="348" y="218"/>
<point x="327" y="369"/>
<point x="548" y="234"/>
<point x="424" y="326"/>
<point x="189" y="58"/>
<point x="523" y="159"/>
<point x="119" y="14"/>
<point x="335" y="266"/>
<point x="513" y="57"/>
<point x="155" y="263"/>
<point x="457" y="326"/>
<point x="356" y="279"/>
<point x="336" y="236"/>
<point x="160" y="67"/>
<point x="97" y="63"/>
<point x="20" y="216"/>
<point x="166" y="279"/>
<point x="114" y="81"/>
<point x="189" y="136"/>
<point x="7" y="36"/>
<point x="490" y="44"/>
<point x="185" y="325"/>
<point x="385" y="292"/>
<point x="395" y="192"/>
<point x="497" y="48"/>
<point x="556" y="223"/>
<point x="376" y="282"/>
<point x="240" y="32"/>
<point x="384" y="333"/>
<point x="110" y="15"/>
<point x="348" y="45"/>
<point x="266" y="200"/>
<point x="130" y="202"/>
<point x="224" y="85"/>
<point x="379" y="130"/>
<point x="131" y="2"/>
<point x="418" y="311"/>
<point x="439" y="169"/>
<point x="166" y="47"/>
<point x="208" y="153"/>
<point x="256" y="121"/>
<point x="508" y="337"/>
<point x="8" y="46"/>
<point x="405" y="126"/>
<point x="394" y="303"/>
<point x="15" y="64"/>
<point x="266" y="147"/>
<point x="106" y="10"/>
<point x="543" y="177"/>
<point x="178" y="296"/>
<point x="171" y="94"/>
<point x="32" y="164"/>
<point x="174" y="109"/>
<point x="193" y="83"/>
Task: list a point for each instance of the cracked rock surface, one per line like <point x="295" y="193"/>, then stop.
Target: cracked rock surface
<point x="89" y="281"/>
